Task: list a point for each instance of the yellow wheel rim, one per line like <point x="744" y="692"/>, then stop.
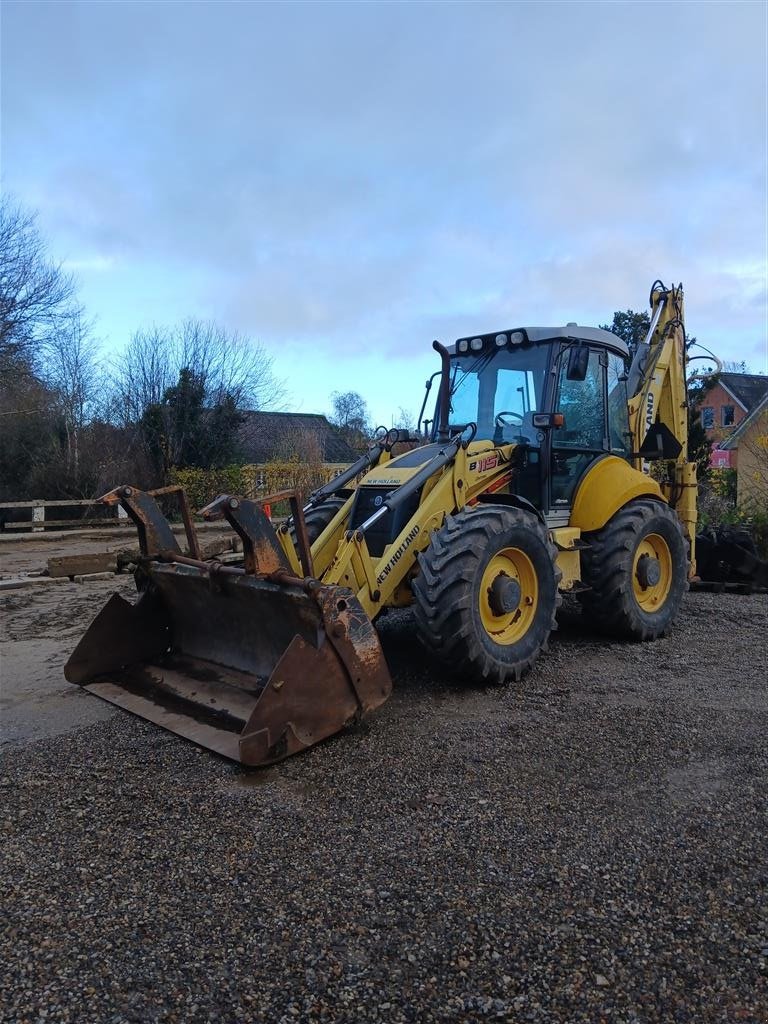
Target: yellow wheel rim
<point x="652" y="572"/>
<point x="509" y="596"/>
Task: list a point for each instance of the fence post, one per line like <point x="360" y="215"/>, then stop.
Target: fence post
<point x="38" y="516"/>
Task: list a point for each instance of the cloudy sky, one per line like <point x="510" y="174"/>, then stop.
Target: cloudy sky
<point x="346" y="182"/>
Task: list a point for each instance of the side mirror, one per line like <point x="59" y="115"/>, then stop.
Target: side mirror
<point x="578" y="362"/>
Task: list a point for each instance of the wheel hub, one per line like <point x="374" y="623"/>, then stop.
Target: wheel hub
<point x="504" y="595"/>
<point x="648" y="571"/>
<point x="508" y="595"/>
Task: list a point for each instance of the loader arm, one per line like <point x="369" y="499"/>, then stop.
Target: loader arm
<point x="455" y="477"/>
<point x="658" y="406"/>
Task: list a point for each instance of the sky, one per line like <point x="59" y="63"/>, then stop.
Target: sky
<point x="344" y="182"/>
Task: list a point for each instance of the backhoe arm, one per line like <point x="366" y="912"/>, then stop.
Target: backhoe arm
<point x="658" y="406"/>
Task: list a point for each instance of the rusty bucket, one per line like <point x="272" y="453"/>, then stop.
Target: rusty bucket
<point x="255" y="666"/>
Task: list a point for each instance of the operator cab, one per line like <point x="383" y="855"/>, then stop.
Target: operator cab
<point x="559" y="393"/>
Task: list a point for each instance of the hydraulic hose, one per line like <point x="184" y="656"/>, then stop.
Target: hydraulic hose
<point x="370" y="458"/>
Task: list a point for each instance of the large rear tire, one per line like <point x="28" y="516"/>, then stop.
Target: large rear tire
<point x="637" y="570"/>
<point x="487" y="592"/>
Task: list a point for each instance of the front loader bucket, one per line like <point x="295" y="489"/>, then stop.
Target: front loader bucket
<point x="251" y="668"/>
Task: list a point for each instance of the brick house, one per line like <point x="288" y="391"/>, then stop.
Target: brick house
<point x="730" y="401"/>
<point x="727" y="405"/>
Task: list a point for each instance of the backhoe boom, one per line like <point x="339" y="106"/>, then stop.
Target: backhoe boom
<point x="658" y="407"/>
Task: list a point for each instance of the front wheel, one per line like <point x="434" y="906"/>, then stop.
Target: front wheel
<point x="637" y="570"/>
<point x="318" y="518"/>
<point x="486" y="594"/>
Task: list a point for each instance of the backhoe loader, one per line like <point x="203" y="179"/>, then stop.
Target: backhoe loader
<point x="536" y="480"/>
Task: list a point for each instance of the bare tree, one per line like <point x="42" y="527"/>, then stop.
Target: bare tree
<point x="734" y="365"/>
<point x="70" y="368"/>
<point x="350" y="414"/>
<point x="302" y="444"/>
<point x="36" y="301"/>
<point x="406" y="420"/>
<point x="34" y="291"/>
<point x="227" y="366"/>
<point x="179" y="393"/>
<point x="349" y="410"/>
<point x="143" y="374"/>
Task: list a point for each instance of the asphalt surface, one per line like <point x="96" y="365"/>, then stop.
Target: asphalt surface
<point x="589" y="846"/>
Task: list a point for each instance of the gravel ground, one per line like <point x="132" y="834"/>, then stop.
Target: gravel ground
<point x="591" y="846"/>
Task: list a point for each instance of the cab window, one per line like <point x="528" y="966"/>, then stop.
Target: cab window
<point x="618" y="410"/>
<point x="582" y="403"/>
<point x="582" y="438"/>
<point x="500" y="391"/>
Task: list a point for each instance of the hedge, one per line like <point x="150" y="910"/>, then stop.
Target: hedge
<point x="203" y="485"/>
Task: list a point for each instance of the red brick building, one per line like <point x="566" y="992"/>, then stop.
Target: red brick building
<point x="729" y="402"/>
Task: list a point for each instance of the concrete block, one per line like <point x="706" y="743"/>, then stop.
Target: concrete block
<point x="82" y="565"/>
<point x="26" y="582"/>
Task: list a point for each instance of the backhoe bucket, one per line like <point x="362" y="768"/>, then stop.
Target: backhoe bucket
<point x="254" y="667"/>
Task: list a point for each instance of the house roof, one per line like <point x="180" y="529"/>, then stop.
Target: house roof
<point x="746" y="423"/>
<point x="747" y="388"/>
<point x="265" y="436"/>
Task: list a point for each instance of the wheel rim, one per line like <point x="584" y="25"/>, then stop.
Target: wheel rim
<point x="512" y="567"/>
<point x="652" y="572"/>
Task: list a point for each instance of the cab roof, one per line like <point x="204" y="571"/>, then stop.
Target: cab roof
<point x="570" y="332"/>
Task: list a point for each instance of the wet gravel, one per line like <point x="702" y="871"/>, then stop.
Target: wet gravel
<point x="592" y="846"/>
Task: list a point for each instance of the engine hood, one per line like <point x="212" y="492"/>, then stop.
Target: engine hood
<point x="400" y="469"/>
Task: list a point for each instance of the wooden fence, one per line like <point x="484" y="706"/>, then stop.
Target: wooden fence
<point x="35" y="515"/>
<point x="39" y="514"/>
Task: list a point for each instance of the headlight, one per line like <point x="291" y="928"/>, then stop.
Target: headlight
<point x="501" y="340"/>
<point x="517" y="337"/>
<point x="464" y="345"/>
<point x="476" y="344"/>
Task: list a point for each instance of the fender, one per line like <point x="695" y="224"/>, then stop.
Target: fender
<point x="608" y="485"/>
<point x="513" y="500"/>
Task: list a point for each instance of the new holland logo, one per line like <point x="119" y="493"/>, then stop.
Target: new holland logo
<point x="395" y="558"/>
<point x="649" y="411"/>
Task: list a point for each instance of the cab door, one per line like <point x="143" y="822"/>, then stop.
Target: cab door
<point x="584" y="436"/>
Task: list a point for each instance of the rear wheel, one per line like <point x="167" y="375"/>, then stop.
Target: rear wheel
<point x="486" y="594"/>
<point x="637" y="570"/>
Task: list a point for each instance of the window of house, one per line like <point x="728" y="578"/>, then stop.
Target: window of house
<point x="707" y="418"/>
<point x="727" y="412"/>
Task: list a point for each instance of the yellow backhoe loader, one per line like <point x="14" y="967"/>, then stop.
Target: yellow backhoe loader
<point x="535" y="480"/>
